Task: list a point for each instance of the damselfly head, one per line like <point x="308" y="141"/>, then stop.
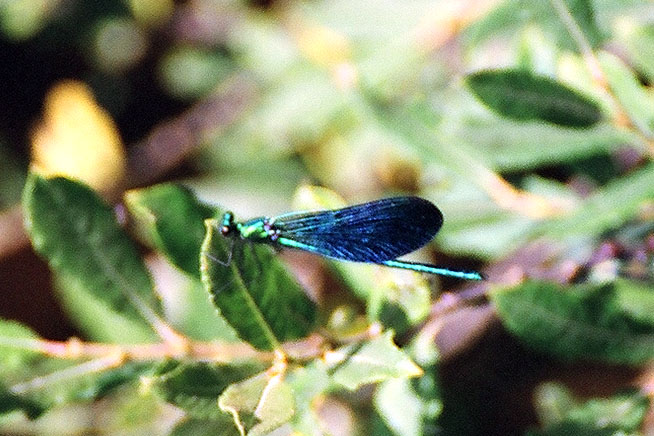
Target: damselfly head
<point x="227" y="224"/>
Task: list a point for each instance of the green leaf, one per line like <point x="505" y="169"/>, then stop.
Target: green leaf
<point x="133" y="412"/>
<point x="633" y="96"/>
<point x="427" y="387"/>
<point x="523" y="96"/>
<point x="259" y="404"/>
<point x="79" y="236"/>
<point x="206" y="427"/>
<point x="573" y="428"/>
<point x="553" y="401"/>
<point x="254" y="293"/>
<point x="376" y="360"/>
<point x="579" y="322"/>
<point x="171" y="219"/>
<point x="195" y="387"/>
<point x="98" y="321"/>
<point x="608" y="208"/>
<point x="559" y="411"/>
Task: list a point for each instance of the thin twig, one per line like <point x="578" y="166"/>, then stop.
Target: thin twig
<point x="199" y="351"/>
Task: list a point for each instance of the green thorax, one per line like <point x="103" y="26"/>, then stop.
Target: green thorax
<point x="255" y="230"/>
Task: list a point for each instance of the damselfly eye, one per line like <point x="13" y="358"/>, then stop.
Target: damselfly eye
<point x="225" y="230"/>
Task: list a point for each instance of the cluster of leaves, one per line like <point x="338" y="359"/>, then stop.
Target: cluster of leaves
<point x="564" y="103"/>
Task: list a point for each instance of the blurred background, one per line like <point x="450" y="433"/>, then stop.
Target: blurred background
<point x="251" y="103"/>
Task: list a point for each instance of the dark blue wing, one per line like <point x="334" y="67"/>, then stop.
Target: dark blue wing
<point x="371" y="232"/>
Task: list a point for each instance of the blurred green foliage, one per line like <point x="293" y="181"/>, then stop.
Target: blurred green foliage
<point x="529" y="123"/>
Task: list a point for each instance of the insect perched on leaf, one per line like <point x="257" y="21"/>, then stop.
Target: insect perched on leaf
<point x="376" y="232"/>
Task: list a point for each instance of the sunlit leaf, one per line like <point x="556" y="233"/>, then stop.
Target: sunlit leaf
<point x="400" y="407"/>
<point x="503" y="20"/>
<point x="190" y="310"/>
<point x="78" y="139"/>
<point x="639" y="40"/>
<point x="373" y="361"/>
<point x="506" y="145"/>
<point x="259" y="404"/>
<point x="51" y="383"/>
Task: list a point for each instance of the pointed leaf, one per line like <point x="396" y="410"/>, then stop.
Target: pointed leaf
<point x="373" y="361"/>
<point x="195" y="387"/>
<point x="523" y="96"/>
<point x="254" y="293"/>
<point x="583" y="321"/>
<point x="79" y="236"/>
<point x="259" y="404"/>
<point x="171" y="219"/>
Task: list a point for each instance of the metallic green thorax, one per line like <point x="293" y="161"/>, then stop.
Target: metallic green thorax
<point x="255" y="230"/>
